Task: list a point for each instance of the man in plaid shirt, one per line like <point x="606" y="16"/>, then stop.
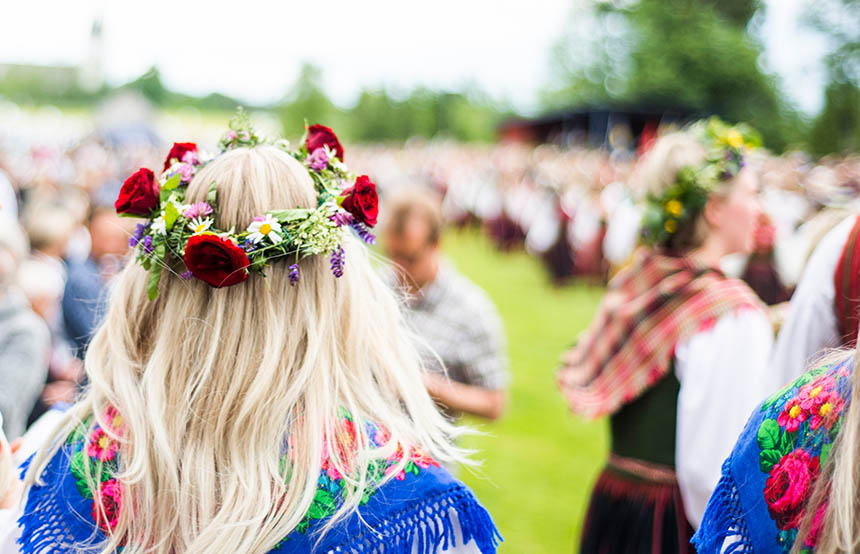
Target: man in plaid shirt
<point x="459" y="331"/>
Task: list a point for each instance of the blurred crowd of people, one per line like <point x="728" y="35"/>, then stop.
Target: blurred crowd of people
<point x="60" y="243"/>
<point x="573" y="208"/>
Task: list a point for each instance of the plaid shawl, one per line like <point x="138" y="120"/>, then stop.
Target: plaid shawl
<point x="648" y="309"/>
<point x="846" y="281"/>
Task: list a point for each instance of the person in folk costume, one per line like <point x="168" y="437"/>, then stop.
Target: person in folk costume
<point x="824" y="309"/>
<point x="258" y="393"/>
<point x="760" y="271"/>
<point x="790" y="484"/>
<point x="676" y="347"/>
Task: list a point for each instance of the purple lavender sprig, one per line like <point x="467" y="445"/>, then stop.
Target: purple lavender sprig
<point x="342" y="218"/>
<point x="147" y="244"/>
<point x="134" y="239"/>
<point x="364" y="233"/>
<point x="337" y="262"/>
<point x="185" y="275"/>
<point x="294" y="274"/>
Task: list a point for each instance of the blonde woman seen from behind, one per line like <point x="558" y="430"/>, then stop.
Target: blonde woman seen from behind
<point x="279" y="414"/>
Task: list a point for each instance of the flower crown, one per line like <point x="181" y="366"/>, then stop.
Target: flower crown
<point x="221" y="258"/>
<point x="726" y="146"/>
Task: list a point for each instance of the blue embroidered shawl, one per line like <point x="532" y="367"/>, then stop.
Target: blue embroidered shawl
<point x="413" y="512"/>
<point x="760" y="500"/>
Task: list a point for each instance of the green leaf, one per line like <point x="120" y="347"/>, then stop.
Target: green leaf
<point x="768" y="435"/>
<point x="77" y="465"/>
<point x="769" y="458"/>
<point x="212" y="196"/>
<point x="285" y="216"/>
<point x="787" y="442"/>
<point x="172" y="183"/>
<point x="825" y="452"/>
<point x="171" y="214"/>
<point x="152" y="284"/>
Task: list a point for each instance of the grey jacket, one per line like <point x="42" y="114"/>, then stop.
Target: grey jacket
<point x="24" y="354"/>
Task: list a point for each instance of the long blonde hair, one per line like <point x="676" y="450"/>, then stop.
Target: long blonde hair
<point x="210" y="383"/>
<point x="837" y="490"/>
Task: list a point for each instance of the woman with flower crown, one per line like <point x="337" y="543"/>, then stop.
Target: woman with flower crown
<point x="676" y="349"/>
<point x="252" y="388"/>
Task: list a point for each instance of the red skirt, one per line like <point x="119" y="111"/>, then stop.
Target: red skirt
<point x="636" y="508"/>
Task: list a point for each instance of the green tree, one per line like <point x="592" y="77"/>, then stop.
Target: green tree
<point x="837" y="126"/>
<point x="693" y="55"/>
<point x="307" y="101"/>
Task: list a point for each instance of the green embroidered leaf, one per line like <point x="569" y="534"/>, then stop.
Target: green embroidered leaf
<point x="76" y="466"/>
<point x="152" y="283"/>
<point x="411" y="468"/>
<point x="172" y="183"/>
<point x="769" y="458"/>
<point x="323" y="505"/>
<point x="171" y="214"/>
<point x="768" y="435"/>
<point x="787" y="442"/>
<point x="825" y="452"/>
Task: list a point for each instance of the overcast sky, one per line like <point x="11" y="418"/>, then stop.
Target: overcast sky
<point x="252" y="49"/>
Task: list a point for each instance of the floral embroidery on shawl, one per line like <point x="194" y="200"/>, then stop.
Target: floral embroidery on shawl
<point x="98" y="449"/>
<point x="762" y="496"/>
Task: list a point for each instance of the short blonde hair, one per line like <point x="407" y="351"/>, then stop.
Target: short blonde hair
<point x="410" y="203"/>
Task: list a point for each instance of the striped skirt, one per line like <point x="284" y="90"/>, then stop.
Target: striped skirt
<point x="636" y="508"/>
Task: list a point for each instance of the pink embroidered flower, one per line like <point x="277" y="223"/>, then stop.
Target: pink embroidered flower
<point x="113" y="420"/>
<point x="423" y="460"/>
<point x="788" y="486"/>
<point x="817" y="524"/>
<point x="792" y="415"/>
<point x="812" y="393"/>
<point x="231" y="135"/>
<point x="107" y="505"/>
<point x="101" y="446"/>
<point x="381" y="436"/>
<point x="345" y="444"/>
<point x="826" y="411"/>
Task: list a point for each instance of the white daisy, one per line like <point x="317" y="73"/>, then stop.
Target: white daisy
<point x="264" y="227"/>
<point x="200" y="224"/>
<point x="159" y="225"/>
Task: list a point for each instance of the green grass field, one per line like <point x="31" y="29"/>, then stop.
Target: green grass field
<point x="539" y="460"/>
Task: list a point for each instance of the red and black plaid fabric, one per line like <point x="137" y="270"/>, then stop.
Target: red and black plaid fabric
<point x="648" y="309"/>
<point x="846" y="281"/>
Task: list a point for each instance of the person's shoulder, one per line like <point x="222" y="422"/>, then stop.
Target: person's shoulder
<point x="60" y="502"/>
<point x="416" y="503"/>
<point x="467" y="294"/>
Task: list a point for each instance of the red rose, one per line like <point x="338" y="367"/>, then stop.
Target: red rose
<point x="139" y="194"/>
<point x="319" y="136"/>
<point x="215" y="260"/>
<point x="362" y="201"/>
<point x="788" y="486"/>
<point x="107" y="504"/>
<point x="178" y="152"/>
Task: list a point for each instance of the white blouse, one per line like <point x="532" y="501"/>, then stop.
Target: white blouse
<point x="811" y="323"/>
<point x="722" y="373"/>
